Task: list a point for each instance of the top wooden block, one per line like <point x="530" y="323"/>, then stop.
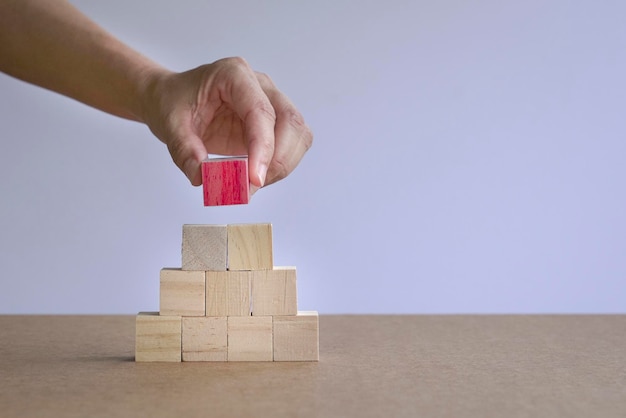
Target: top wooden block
<point x="250" y="247"/>
<point x="225" y="181"/>
<point x="205" y="247"/>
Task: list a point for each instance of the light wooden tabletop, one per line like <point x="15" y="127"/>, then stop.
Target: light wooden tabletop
<point x="371" y="366"/>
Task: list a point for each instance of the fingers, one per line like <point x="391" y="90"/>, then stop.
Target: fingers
<point x="260" y="136"/>
<point x="274" y="132"/>
<point x="245" y="95"/>
<point x="293" y="138"/>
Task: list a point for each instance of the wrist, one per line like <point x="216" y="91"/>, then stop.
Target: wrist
<point x="150" y="82"/>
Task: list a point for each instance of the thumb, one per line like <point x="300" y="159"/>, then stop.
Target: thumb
<point x="188" y="151"/>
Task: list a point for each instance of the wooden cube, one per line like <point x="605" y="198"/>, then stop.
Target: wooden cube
<point x="205" y="247"/>
<point x="157" y="338"/>
<point x="274" y="292"/>
<point x="250" y="338"/>
<point x="225" y="181"/>
<point x="182" y="292"/>
<point x="250" y="247"/>
<point x="228" y="293"/>
<point x="296" y="338"/>
<point x="205" y="339"/>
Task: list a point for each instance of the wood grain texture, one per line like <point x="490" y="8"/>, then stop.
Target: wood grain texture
<point x="228" y="293"/>
<point x="225" y="181"/>
<point x="205" y="247"/>
<point x="274" y="292"/>
<point x="296" y="338"/>
<point x="182" y="292"/>
<point x="205" y="339"/>
<point x="157" y="338"/>
<point x="250" y="247"/>
<point x="250" y="338"/>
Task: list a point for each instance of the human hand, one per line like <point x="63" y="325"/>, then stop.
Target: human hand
<point x="226" y="108"/>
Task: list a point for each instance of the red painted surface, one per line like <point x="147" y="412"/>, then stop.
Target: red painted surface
<point x="225" y="181"/>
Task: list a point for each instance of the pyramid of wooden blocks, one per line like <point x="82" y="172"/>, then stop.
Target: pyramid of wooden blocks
<point x="225" y="181"/>
<point x="227" y="302"/>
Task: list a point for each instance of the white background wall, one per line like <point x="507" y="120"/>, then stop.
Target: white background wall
<point x="468" y="158"/>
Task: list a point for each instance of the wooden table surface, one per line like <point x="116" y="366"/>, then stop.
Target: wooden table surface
<point x="371" y="366"/>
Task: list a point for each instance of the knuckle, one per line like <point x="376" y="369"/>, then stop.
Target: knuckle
<point x="265" y="109"/>
<point x="234" y="62"/>
<point x="232" y="67"/>
<point x="280" y="169"/>
<point x="295" y="119"/>
<point x="264" y="80"/>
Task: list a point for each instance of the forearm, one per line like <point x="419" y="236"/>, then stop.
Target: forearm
<point x="53" y="45"/>
<point x="223" y="107"/>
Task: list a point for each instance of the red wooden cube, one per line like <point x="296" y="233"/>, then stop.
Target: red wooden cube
<point x="225" y="181"/>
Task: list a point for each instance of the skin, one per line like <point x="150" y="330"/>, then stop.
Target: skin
<point x="220" y="108"/>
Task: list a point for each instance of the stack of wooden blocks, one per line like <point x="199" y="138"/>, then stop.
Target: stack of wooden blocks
<point x="228" y="302"/>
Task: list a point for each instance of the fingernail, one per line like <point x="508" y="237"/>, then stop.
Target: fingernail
<point x="262" y="173"/>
